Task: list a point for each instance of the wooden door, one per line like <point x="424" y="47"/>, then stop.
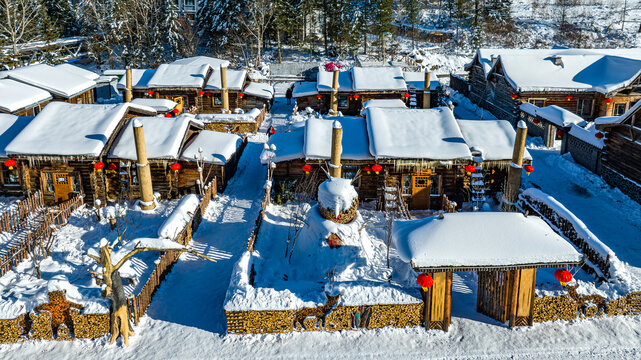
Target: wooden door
<point x="420" y="192"/>
<point x="62" y="186"/>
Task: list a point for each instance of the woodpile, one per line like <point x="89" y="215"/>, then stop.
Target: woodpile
<point x="90" y="326"/>
<point x="10" y="331"/>
<point x="550" y="308"/>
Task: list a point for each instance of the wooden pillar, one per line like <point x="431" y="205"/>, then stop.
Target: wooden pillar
<point x="223" y="84"/>
<point x="427" y="96"/>
<point x="142" y="166"/>
<point x="337" y="148"/>
<point x="514" y="171"/>
<point x="333" y="101"/>
<point x="437" y="302"/>
<point x="128" y="85"/>
<point x="521" y="297"/>
<point x="550" y="134"/>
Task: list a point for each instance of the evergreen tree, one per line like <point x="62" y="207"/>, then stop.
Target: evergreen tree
<point x="23" y="21"/>
<point x="218" y="24"/>
<point x="382" y="22"/>
<point x="412" y="15"/>
<point x="343" y="26"/>
<point x="62" y="14"/>
<point x="284" y="21"/>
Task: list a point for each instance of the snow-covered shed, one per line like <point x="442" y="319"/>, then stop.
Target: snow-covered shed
<point x="258" y="94"/>
<point x="505" y="248"/>
<point x="62" y="84"/>
<point x="550" y="122"/>
<point x="237" y="123"/>
<point x="21" y="99"/>
<point x="588" y="82"/>
<point x="10" y="126"/>
<point x="57" y="150"/>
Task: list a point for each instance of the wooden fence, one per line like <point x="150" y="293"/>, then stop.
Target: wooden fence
<point x="138" y="304"/>
<point x="41" y="235"/>
<point x="459" y="84"/>
<point x="15" y="220"/>
<point x="251" y="242"/>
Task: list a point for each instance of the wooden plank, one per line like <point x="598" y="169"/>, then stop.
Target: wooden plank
<point x="437" y="309"/>
<point x="526" y="290"/>
<point x="448" y="301"/>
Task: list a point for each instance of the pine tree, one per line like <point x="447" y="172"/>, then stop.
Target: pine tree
<point x="343" y="26"/>
<point x="217" y="23"/>
<point x="62" y="14"/>
<point x="383" y="22"/>
<point x="23" y="21"/>
<point x="284" y="21"/>
<point x="412" y="14"/>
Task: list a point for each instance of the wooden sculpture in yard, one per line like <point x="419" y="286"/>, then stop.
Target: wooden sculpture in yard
<point x="119" y="319"/>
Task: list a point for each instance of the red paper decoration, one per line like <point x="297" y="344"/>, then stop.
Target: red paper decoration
<point x="424" y="281"/>
<point x="528" y="169"/>
<point x="568" y="97"/>
<point x="168" y="115"/>
<point x="99" y="166"/>
<point x="175" y="167"/>
<point x="150" y="92"/>
<point x="201" y="93"/>
<point x="470" y="169"/>
<point x="367" y="168"/>
<point x="377" y="168"/>
<point x="599" y="135"/>
<point x="563" y="276"/>
<point x="112" y="167"/>
<point x="608" y="100"/>
<point x="175" y="111"/>
<point x="241" y="95"/>
<point x="356" y="96"/>
<point x="10" y="164"/>
<point x="307" y="168"/>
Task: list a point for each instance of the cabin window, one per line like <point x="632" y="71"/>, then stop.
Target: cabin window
<point x="133" y="173"/>
<point x="11" y="177"/>
<point x="49" y="182"/>
<point x="342" y="102"/>
<point x="619" y="109"/>
<point x="584" y="107"/>
<point x="407" y="185"/>
<point x="434" y="186"/>
<point x="349" y="172"/>
<point x="217" y="99"/>
<point x="75" y="186"/>
<point x="537" y="102"/>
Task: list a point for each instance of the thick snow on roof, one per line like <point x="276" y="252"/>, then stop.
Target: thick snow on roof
<point x="160" y="105"/>
<point x="261" y="90"/>
<point x="586" y="135"/>
<point x="318" y="138"/>
<point x="178" y="76"/>
<point x="378" y="78"/>
<point x="336" y="194"/>
<point x="235" y="79"/>
<point x="384" y="103"/>
<point x="498" y="239"/>
<point x="63" y="129"/>
<point x="10" y="127"/>
<point x="217" y="147"/>
<point x="493" y="138"/>
<point x="416" y="80"/>
<point x="139" y="78"/>
<point x="326" y="78"/>
<point x="79" y="71"/>
<point x="57" y="81"/>
<point x="163" y="137"/>
<point x="305" y="88"/>
<point x="202" y="60"/>
<point x="289" y="145"/>
<point x="555" y="114"/>
<point x="415" y="134"/>
<point x="16" y="96"/>
<point x="248" y="117"/>
<point x="179" y="218"/>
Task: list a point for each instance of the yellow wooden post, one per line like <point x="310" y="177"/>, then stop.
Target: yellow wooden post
<point x="334" y="96"/>
<point x="427" y="96"/>
<point x="128" y="85"/>
<point x="144" y="173"/>
<point x="514" y="171"/>
<point x="337" y="148"/>
<point x="223" y="84"/>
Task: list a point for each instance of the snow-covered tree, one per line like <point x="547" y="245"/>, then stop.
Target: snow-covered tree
<point x="217" y="22"/>
<point x="412" y="12"/>
<point x="382" y="22"/>
<point x="22" y="21"/>
<point x="256" y="18"/>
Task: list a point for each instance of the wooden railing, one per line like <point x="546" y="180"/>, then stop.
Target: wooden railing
<point x="40" y="236"/>
<point x="251" y="242"/>
<point x="15" y="220"/>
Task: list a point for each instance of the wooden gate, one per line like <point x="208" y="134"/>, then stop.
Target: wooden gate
<point x="437" y="302"/>
<point x="492" y="294"/>
<point x="420" y="192"/>
<point x="507" y="295"/>
<point x="62" y="186"/>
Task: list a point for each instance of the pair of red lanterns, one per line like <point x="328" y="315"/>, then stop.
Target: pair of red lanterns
<point x="354" y="97"/>
<point x="375" y="168"/>
<point x="100" y="165"/>
<point x="174" y="112"/>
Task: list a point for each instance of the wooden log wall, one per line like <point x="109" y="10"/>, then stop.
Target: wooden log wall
<point x="437" y="302"/>
<point x="622" y="154"/>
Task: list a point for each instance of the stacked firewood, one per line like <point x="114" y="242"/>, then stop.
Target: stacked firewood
<point x="550" y="308"/>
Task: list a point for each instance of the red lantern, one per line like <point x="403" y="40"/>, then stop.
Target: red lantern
<point x="559" y="133"/>
<point x="175" y="111"/>
<point x="528" y="168"/>
<point x="513" y="96"/>
<point x="367" y="168"/>
<point x="599" y="135"/>
<point x="356" y="96"/>
<point x="150" y="92"/>
<point x="407" y="95"/>
<point x="377" y="168"/>
<point x="424" y="281"/>
<point x="536" y="121"/>
<point x="168" y="115"/>
<point x="319" y="96"/>
<point x="568" y="97"/>
<point x="470" y="169"/>
<point x="112" y="167"/>
<point x="608" y="100"/>
<point x="351" y="97"/>
<point x="10" y="164"/>
<point x="241" y="95"/>
<point x="563" y="276"/>
<point x="201" y="93"/>
<point x="307" y="168"/>
<point x="175" y="167"/>
<point x="99" y="166"/>
<point x="208" y="94"/>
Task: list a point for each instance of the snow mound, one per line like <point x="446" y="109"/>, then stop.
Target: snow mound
<point x="336" y="194"/>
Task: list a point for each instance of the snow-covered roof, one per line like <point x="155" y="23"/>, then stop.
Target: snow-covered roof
<point x="160" y="105"/>
<point x="56" y="80"/>
<point x="498" y="239"/>
<point x="217" y="147"/>
<point x="415" y="134"/>
<point x="63" y="129"/>
<point x="248" y="117"/>
<point x="305" y="88"/>
<point x="325" y="80"/>
<point x="179" y="76"/>
<point x="557" y="115"/>
<point x="235" y="79"/>
<point x="164" y="137"/>
<point x="15" y="96"/>
<point x="139" y="78"/>
<point x="384" y="103"/>
<point x="586" y="135"/>
<point x="10" y="127"/>
<point x="601" y="70"/>
<point x="494" y="139"/>
<point x="378" y="79"/>
<point x="416" y="80"/>
<point x="318" y="133"/>
<point x="202" y="60"/>
<point x="261" y="90"/>
<point x="79" y="71"/>
<point x="612" y="120"/>
<point x="289" y="145"/>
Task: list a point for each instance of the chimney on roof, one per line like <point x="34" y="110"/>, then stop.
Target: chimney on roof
<point x="334" y="96"/>
<point x="223" y="85"/>
<point x="557" y="60"/>
<point x="427" y="98"/>
<point x="128" y="85"/>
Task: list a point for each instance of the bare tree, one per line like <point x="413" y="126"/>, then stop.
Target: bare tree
<point x="21" y="21"/>
<point x="257" y="17"/>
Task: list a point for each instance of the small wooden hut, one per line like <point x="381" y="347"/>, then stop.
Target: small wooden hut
<point x="504" y="248"/>
<point x="237" y="123"/>
<point x="212" y="102"/>
<point x="181" y="83"/>
<point x="10" y="179"/>
<point x="58" y="150"/>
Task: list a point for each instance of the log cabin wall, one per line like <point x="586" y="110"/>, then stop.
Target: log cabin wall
<point x="494" y="94"/>
<point x="39" y="176"/>
<point x="86" y="97"/>
<point x="10" y="180"/>
<point x="621" y="159"/>
<point x="354" y="107"/>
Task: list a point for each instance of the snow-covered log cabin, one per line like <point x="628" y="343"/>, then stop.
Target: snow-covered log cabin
<point x="21" y="99"/>
<point x="358" y="85"/>
<point x="621" y="155"/>
<point x="10" y="180"/>
<point x="58" y="151"/>
<point x="550" y="122"/>
<point x="237" y="123"/>
<point x="419" y="155"/>
<point x="588" y="82"/>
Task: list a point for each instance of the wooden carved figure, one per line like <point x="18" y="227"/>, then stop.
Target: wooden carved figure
<point x="319" y="313"/>
<point x="585" y="302"/>
<point x="59" y="309"/>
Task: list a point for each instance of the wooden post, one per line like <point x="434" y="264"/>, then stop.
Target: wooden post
<point x="335" y="160"/>
<point x="514" y="172"/>
<point x="427" y="96"/>
<point x="223" y="84"/>
<point x="128" y="85"/>
<point x="144" y="173"/>
<point x="437" y="302"/>
<point x="333" y="101"/>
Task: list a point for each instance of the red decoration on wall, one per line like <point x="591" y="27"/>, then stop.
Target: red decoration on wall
<point x="513" y="96"/>
<point x="568" y="97"/>
<point x="367" y="168"/>
<point x="168" y="115"/>
<point x="424" y="281"/>
<point x="608" y="100"/>
<point x="10" y="164"/>
<point x="406" y="95"/>
<point x="470" y="169"/>
<point x="563" y="276"/>
<point x="208" y="94"/>
<point x="377" y="168"/>
<point x="201" y="93"/>
<point x="536" y="121"/>
<point x="599" y="135"/>
<point x="112" y="167"/>
<point x="319" y="96"/>
<point x="175" y="167"/>
<point x="175" y="111"/>
<point x="528" y="169"/>
<point x="241" y="95"/>
<point x="307" y="168"/>
<point x="559" y="133"/>
<point x="150" y="92"/>
<point x="99" y="165"/>
<point x="356" y="96"/>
